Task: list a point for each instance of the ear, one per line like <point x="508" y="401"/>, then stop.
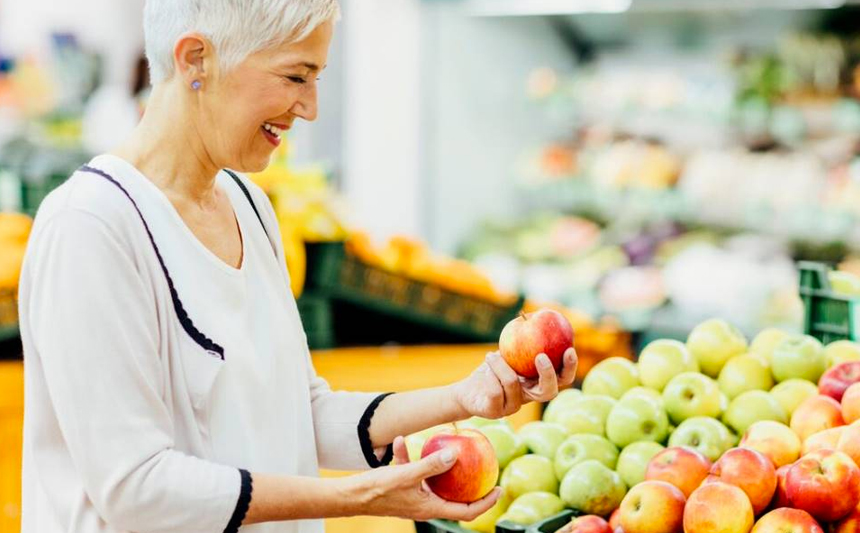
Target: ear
<point x="194" y="58"/>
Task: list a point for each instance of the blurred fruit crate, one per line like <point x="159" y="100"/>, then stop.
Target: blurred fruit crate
<point x="317" y="321"/>
<point x="827" y="316"/>
<point x="338" y="275"/>
<point x="550" y="525"/>
<point x="8" y="308"/>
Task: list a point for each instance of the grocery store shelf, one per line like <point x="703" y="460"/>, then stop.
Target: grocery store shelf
<point x="511" y="8"/>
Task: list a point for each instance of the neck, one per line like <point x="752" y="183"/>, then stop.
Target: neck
<point x="167" y="148"/>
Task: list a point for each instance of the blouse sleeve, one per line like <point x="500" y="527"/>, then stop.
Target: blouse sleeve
<point x="93" y="324"/>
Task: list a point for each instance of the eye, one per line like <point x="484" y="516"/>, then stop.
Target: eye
<point x="297" y="79"/>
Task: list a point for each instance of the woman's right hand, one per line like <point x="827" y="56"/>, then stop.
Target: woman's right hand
<point x="400" y="490"/>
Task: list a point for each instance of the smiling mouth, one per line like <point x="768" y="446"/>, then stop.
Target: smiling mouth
<point x="273" y="132"/>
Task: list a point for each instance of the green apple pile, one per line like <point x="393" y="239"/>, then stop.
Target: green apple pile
<point x="670" y="420"/>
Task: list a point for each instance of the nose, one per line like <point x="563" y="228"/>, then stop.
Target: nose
<point x="306" y="106"/>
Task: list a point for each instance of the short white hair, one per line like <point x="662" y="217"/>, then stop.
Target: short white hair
<point x="236" y="28"/>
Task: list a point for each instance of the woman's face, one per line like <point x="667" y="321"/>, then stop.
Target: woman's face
<point x="248" y="110"/>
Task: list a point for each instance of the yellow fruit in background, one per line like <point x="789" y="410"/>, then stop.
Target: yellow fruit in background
<point x="14" y="229"/>
<point x="11" y="259"/>
<point x="294" y="251"/>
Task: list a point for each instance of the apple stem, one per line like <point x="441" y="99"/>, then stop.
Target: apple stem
<point x="523" y="315"/>
<point x="456" y="429"/>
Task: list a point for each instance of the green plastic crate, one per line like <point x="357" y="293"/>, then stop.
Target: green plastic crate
<point x="317" y="321"/>
<point x="338" y="275"/>
<point x="827" y="316"/>
<point x="550" y="525"/>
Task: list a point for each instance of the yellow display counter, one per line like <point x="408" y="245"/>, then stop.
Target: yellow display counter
<point x="362" y="369"/>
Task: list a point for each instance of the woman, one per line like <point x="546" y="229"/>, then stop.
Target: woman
<point x="168" y="382"/>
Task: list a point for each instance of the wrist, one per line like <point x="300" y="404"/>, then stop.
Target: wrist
<point x="456" y="408"/>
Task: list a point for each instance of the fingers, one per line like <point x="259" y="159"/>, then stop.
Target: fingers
<point x="401" y="454"/>
<point x="509" y="380"/>
<point x="547" y="388"/>
<point x="568" y="369"/>
<point x="467" y="512"/>
<point x="434" y="464"/>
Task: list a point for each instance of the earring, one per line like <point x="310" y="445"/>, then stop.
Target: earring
<point x="195" y="85"/>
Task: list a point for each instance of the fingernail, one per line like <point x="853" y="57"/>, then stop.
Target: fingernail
<point x="448" y="456"/>
<point x="543" y="360"/>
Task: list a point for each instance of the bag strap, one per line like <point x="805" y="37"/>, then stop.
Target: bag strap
<point x="247" y="194"/>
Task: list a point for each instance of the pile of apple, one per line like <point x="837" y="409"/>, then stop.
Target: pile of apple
<point x="708" y="436"/>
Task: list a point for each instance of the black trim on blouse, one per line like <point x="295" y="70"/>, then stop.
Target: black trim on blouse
<point x="187" y="324"/>
<point x="364" y="435"/>
<point x="242" y="504"/>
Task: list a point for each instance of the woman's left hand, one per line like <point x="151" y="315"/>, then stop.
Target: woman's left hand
<point x="494" y="390"/>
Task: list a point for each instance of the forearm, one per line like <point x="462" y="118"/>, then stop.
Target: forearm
<point x="408" y="412"/>
<point x="279" y="498"/>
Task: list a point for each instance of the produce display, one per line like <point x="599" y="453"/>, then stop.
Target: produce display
<point x="14" y="232"/>
<point x="715" y="434"/>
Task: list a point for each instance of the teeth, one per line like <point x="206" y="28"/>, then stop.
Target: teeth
<point x="274" y="130"/>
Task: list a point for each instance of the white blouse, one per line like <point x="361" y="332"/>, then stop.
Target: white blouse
<point x="158" y="376"/>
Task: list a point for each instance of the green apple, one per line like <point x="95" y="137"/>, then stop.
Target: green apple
<point x="560" y="403"/>
<point x="611" y="377"/>
<point x="637" y="419"/>
<point x="415" y="442"/>
<point x="592" y="488"/>
<point x="578" y="448"/>
<point x="842" y="352"/>
<point x="586" y="415"/>
<point x="486" y="523"/>
<point x="750" y="407"/>
<point x="713" y="343"/>
<point x="507" y="444"/>
<point x="724" y="402"/>
<point x="767" y="339"/>
<point x="743" y="373"/>
<point x="529" y="473"/>
<point x="644" y="393"/>
<point x="798" y="356"/>
<point x="844" y="283"/>
<point x="534" y="507"/>
<point x="691" y="394"/>
<point x="476" y="422"/>
<point x="543" y="438"/>
<point x="664" y="359"/>
<point x="792" y="392"/>
<point x="633" y="461"/>
<point x="704" y="434"/>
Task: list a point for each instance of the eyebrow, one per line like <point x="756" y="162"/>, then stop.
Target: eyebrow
<point x="310" y="66"/>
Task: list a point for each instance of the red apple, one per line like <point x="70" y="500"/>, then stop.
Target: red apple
<point x="653" y="507"/>
<point x="718" y="508"/>
<point x="836" y="381"/>
<point x="823" y="440"/>
<point x="614" y="519"/>
<point x="529" y="335"/>
<point x="474" y="474"/>
<point x="815" y="414"/>
<point x="849" y="524"/>
<point x="851" y="404"/>
<point x="774" y="440"/>
<point x="751" y="471"/>
<point x="682" y="467"/>
<point x="787" y="520"/>
<point x="588" y="524"/>
<point x="849" y="442"/>
<point x="780" y="496"/>
<point x="826" y="484"/>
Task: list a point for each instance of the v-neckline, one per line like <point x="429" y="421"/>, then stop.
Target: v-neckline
<point x="220" y="263"/>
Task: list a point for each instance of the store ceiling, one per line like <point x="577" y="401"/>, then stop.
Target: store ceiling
<point x="572" y="7"/>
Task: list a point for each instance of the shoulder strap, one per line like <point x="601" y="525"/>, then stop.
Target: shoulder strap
<point x="247" y="194"/>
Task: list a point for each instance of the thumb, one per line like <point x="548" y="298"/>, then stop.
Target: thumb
<point x="435" y="463"/>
